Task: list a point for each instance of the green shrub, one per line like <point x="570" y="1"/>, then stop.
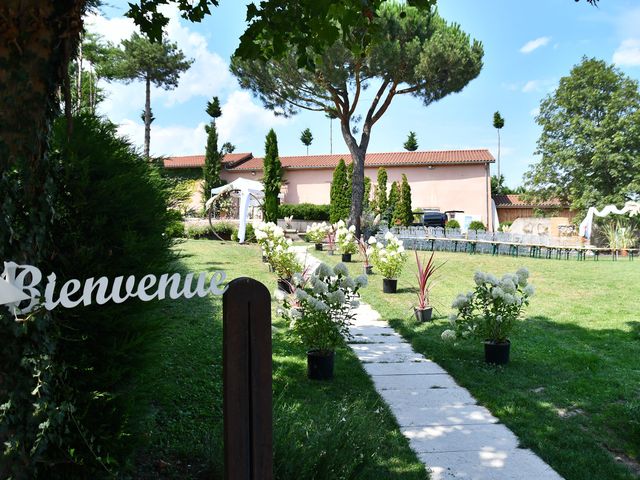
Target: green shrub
<point x="477" y="225"/>
<point x="453" y="223"/>
<point x="224" y="230"/>
<point x="505" y="225"/>
<point x="305" y="211"/>
<point x="113" y="220"/>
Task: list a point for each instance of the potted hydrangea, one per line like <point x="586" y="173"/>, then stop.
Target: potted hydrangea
<point x="388" y="260"/>
<point x="490" y="312"/>
<point x="269" y="236"/>
<point x="346" y="240"/>
<point x="317" y="233"/>
<point x="319" y="314"/>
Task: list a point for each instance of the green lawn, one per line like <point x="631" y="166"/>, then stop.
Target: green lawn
<point x="572" y="390"/>
<point x="330" y="430"/>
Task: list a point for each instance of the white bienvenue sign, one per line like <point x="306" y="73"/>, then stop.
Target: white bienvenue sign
<point x="20" y="283"/>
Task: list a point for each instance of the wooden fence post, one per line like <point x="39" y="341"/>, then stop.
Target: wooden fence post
<point x="247" y="406"/>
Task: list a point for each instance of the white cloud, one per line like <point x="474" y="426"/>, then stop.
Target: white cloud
<point x="532" y="45"/>
<point x="531" y="86"/>
<point x="113" y="30"/>
<point x="242" y="119"/>
<point x="169" y="140"/>
<point x="628" y="53"/>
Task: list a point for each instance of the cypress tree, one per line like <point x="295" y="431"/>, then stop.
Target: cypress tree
<point x="394" y="196"/>
<point x="340" y="193"/>
<point x="404" y="213"/>
<point x="381" y="191"/>
<point x="213" y="156"/>
<point x="366" y="201"/>
<point x="272" y="178"/>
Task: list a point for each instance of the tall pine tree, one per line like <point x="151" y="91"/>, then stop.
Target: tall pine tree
<point x="272" y="178"/>
<point x="213" y="156"/>
<point x="340" y="193"/>
<point x="403" y="213"/>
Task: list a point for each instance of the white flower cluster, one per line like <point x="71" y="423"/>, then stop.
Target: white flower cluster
<point x="346" y="237"/>
<point x="388" y="259"/>
<point x="277" y="249"/>
<point x="317" y="232"/>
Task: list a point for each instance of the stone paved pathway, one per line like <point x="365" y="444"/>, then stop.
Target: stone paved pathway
<point x="453" y="436"/>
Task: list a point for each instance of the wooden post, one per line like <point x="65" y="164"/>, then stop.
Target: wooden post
<point x="247" y="406"/>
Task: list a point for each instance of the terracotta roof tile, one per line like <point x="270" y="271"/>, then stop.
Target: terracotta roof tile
<point x="454" y="157"/>
<point x="514" y="201"/>
<point x="195" y="161"/>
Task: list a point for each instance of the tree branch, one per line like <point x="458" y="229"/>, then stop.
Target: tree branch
<point x="357" y="94"/>
<point x="385" y="105"/>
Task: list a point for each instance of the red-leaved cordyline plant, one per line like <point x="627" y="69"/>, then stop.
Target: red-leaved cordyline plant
<point x="363" y="247"/>
<point x="425" y="280"/>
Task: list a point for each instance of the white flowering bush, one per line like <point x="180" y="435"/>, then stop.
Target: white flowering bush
<point x="317" y="232"/>
<point x="321" y="308"/>
<point x="388" y="259"/>
<point x="490" y="311"/>
<point x="346" y="238"/>
<point x="277" y="249"/>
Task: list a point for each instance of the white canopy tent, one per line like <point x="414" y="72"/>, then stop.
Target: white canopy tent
<point x="632" y="208"/>
<point x="249" y="189"/>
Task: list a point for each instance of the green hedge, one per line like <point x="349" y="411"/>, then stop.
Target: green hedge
<point x="453" y="223"/>
<point x="477" y="225"/>
<point x="304" y="211"/>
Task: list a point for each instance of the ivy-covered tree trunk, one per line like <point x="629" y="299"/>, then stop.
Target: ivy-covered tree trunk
<point x="35" y="40"/>
<point x="358" y="153"/>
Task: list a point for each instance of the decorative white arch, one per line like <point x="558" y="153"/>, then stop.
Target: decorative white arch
<point x="632" y="208"/>
<point x="247" y="189"/>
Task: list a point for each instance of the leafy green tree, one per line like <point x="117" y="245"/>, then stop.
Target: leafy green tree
<point x="381" y="191"/>
<point x="366" y="204"/>
<point x="272" y="178"/>
<point x="590" y="140"/>
<point x="499" y="188"/>
<point x="394" y="197"/>
<point x="306" y="137"/>
<point x="498" y="123"/>
<point x="403" y="214"/>
<point x="408" y="52"/>
<point x="160" y="64"/>
<point x="340" y="200"/>
<point x="411" y="145"/>
<point x="213" y="156"/>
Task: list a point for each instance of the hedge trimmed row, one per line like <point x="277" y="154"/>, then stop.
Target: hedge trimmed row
<point x="304" y="211"/>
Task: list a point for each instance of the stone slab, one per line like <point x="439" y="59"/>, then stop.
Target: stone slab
<point x="415" y="382"/>
<point x="488" y="464"/>
<point x="419" y="396"/>
<point x="361" y="338"/>
<point x="409" y="414"/>
<point x="385" y="353"/>
<point x="424" y="367"/>
<point x="460" y="438"/>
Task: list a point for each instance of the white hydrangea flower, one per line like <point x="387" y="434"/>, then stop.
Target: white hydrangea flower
<point x="529" y="290"/>
<point x="453" y="318"/>
<point x="492" y="279"/>
<point x="295" y="313"/>
<point x="361" y="281"/>
<point x="301" y="294"/>
<point x="479" y="278"/>
<point x="298" y="279"/>
<point x="336" y="297"/>
<point x="448" y="335"/>
<point x="459" y="302"/>
<point x="320" y="305"/>
<point x="497" y="292"/>
<point x="389" y="236"/>
<point x="340" y="269"/>
<point x="372" y="241"/>
<point x="279" y="294"/>
<point x="355" y="303"/>
<point x="507" y="285"/>
<point x="509" y="299"/>
<point x="348" y="282"/>
<point x="352" y="228"/>
<point x="320" y="287"/>
<point x="323" y="271"/>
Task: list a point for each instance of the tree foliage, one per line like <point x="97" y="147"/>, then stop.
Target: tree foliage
<point x="339" y="195"/>
<point x="410" y="52"/>
<point x="306" y="137"/>
<point x="213" y="156"/>
<point x="590" y="141"/>
<point x="394" y="198"/>
<point x="381" y="191"/>
<point x="403" y="213"/>
<point x="157" y="63"/>
<point x="411" y="144"/>
<point x="272" y="177"/>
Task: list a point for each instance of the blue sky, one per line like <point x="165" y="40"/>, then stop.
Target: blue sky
<point x="529" y="45"/>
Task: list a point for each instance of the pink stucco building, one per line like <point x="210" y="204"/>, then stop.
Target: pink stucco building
<point x="443" y="180"/>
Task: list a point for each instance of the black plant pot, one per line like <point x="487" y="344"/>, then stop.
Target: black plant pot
<point x="368" y="269"/>
<point x="319" y="247"/>
<point x="497" y="353"/>
<point x="346" y="257"/>
<point x="423" y="315"/>
<point x="389" y="285"/>
<point x="285" y="284"/>
<point x="320" y="365"/>
<point x="264" y="259"/>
